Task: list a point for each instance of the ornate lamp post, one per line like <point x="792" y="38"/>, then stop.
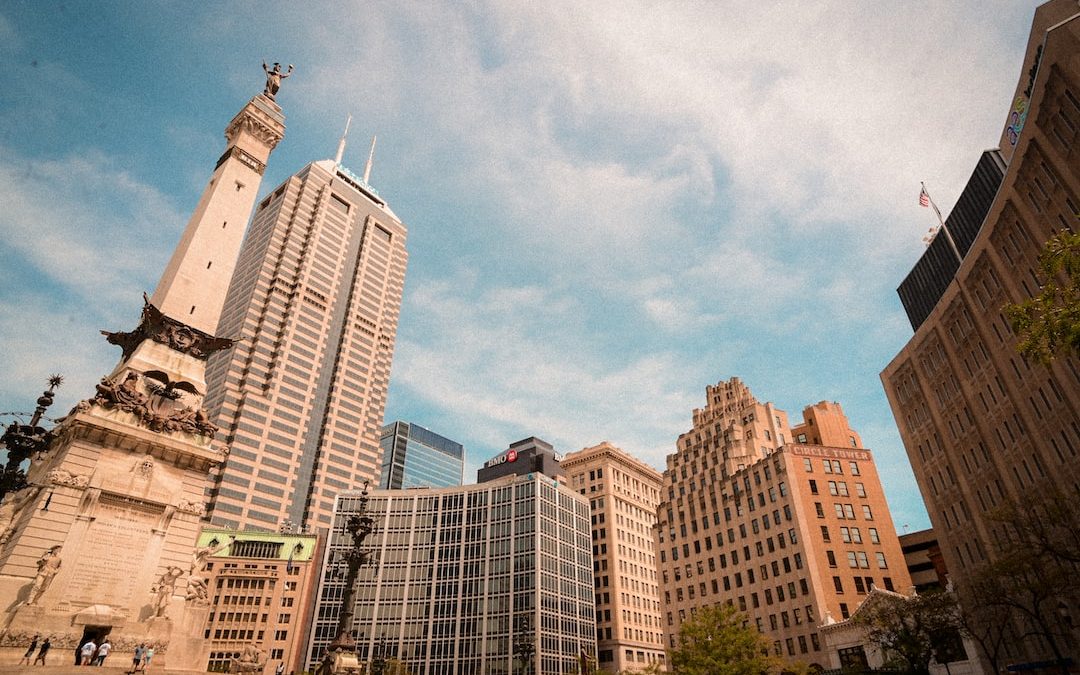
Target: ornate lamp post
<point x="24" y="440"/>
<point x="340" y="654"/>
<point x="378" y="660"/>
<point x="525" y="644"/>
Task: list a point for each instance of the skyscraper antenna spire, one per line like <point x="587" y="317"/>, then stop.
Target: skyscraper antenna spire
<point x="370" y="158"/>
<point x="341" y="143"/>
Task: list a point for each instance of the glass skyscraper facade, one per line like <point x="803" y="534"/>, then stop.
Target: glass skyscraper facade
<point x="417" y="457"/>
<point x="463" y="574"/>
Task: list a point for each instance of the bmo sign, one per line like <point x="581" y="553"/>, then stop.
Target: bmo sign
<point x="508" y="456"/>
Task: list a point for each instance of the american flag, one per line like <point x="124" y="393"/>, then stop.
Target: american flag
<point x="924" y="197"/>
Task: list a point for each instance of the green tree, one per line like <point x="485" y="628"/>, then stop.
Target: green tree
<point x="913" y="630"/>
<point x="719" y="640"/>
<point x="1049" y="323"/>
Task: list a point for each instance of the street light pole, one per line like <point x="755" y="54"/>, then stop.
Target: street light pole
<point x="23" y="440"/>
<point x="340" y="654"/>
<point x="525" y="644"/>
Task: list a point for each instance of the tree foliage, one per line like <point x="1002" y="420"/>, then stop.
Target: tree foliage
<point x="1049" y="323"/>
<point x="913" y="630"/>
<point x="719" y="640"/>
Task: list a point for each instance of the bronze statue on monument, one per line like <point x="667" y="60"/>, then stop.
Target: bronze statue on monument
<point x="274" y="76"/>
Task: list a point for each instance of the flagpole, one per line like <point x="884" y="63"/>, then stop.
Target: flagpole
<point x="948" y="235"/>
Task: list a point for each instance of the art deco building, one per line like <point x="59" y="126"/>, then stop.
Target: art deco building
<point x="623" y="493"/>
<point x="261" y="589"/>
<point x="981" y="424"/>
<point x="792" y="533"/>
<point x="300" y="398"/>
<point x="416" y="457"/>
<point x="464" y="576"/>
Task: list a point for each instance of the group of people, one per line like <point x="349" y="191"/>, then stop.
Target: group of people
<point x="41" y="651"/>
<point x="90" y="653"/>
<point x="142" y="657"/>
<point x="93" y="653"/>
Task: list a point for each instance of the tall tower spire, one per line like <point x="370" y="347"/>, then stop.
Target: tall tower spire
<point x="341" y="143"/>
<point x="192" y="288"/>
<point x="370" y="158"/>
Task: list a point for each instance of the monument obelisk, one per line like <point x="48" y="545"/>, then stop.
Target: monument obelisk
<point x="100" y="540"/>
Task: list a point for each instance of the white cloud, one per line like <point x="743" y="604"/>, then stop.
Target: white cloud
<point x="84" y="239"/>
<point x="501" y="364"/>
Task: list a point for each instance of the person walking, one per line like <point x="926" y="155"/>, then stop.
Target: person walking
<point x="102" y="651"/>
<point x="147" y="657"/>
<point x="42" y="652"/>
<point x="88" y="650"/>
<point x="30" y="651"/>
<point x="136" y="660"/>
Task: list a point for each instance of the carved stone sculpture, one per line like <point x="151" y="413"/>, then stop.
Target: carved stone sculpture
<point x="197" y="583"/>
<point x="251" y="660"/>
<point x="157" y="411"/>
<point x="48" y="565"/>
<point x="10" y="507"/>
<point x="165" y="588"/>
<point x="66" y="478"/>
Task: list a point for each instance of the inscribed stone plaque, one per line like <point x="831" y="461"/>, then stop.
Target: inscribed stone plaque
<point x="112" y="554"/>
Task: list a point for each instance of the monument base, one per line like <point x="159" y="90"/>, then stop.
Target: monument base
<point x="340" y="663"/>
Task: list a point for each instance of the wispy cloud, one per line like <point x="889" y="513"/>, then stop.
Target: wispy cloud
<point x="610" y="204"/>
<point x="83" y="240"/>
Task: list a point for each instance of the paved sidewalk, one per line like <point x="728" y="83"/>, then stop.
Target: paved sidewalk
<point x="71" y="669"/>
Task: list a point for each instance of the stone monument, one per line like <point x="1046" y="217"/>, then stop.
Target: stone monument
<point x="97" y="536"/>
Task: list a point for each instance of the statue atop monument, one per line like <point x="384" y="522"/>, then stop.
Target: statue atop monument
<point x="274" y="76"/>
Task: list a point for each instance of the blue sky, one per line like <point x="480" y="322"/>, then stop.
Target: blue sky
<point x="610" y="205"/>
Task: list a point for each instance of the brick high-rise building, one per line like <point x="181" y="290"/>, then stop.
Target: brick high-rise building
<point x="261" y="590"/>
<point x="981" y="424"/>
<point x="623" y="493"/>
<point x="793" y="533"/>
<point x="300" y="398"/>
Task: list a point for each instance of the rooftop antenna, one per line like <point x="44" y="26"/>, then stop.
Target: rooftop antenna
<point x="370" y="158"/>
<point x="341" y="143"/>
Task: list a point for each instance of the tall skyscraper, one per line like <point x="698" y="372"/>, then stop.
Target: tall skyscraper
<point x="981" y="424"/>
<point x="493" y="578"/>
<point x="416" y="457"/>
<point x="314" y="302"/>
<point x="793" y="534"/>
<point x="623" y="493"/>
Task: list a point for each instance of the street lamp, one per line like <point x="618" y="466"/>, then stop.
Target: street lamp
<point x="340" y="654"/>
<point x="378" y="661"/>
<point x="23" y="440"/>
<point x="525" y="644"/>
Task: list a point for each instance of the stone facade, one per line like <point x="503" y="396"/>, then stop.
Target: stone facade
<point x="792" y="533"/>
<point x="623" y="493"/>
